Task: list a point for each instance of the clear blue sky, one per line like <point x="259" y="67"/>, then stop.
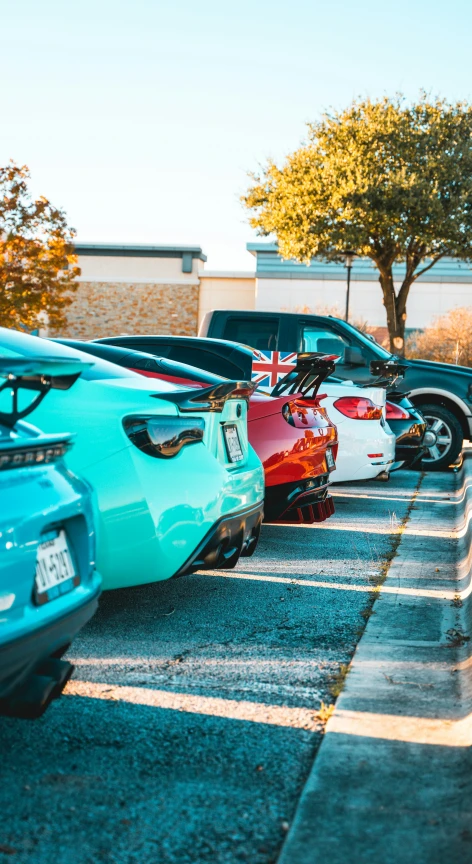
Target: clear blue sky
<point x="142" y="117"/>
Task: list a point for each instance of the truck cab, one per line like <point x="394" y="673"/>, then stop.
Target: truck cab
<point x="442" y="392"/>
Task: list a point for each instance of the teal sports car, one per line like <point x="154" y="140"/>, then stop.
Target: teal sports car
<point x="177" y="486"/>
<point x="49" y="586"/>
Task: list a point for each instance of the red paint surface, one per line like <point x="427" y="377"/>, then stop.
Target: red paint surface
<point x="288" y="453"/>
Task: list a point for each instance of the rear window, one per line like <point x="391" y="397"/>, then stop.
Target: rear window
<point x="261" y="333"/>
<point x="200" y="357"/>
<point x="204" y="359"/>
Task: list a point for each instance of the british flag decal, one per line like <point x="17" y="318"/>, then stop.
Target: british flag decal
<point x="268" y="367"/>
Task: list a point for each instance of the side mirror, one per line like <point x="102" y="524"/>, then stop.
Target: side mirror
<point x="354" y="357"/>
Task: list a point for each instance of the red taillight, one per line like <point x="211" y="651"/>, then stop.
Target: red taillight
<point x="394" y="412"/>
<point x="302" y="413"/>
<point x="358" y="408"/>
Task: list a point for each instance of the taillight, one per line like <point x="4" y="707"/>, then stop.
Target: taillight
<point x="22" y="456"/>
<point x="358" y="408"/>
<point x="302" y="413"/>
<point x="163" y="437"/>
<point x="394" y="412"/>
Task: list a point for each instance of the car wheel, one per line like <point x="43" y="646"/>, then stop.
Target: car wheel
<point x="449" y="437"/>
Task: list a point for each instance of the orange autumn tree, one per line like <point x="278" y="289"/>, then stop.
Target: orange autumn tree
<point x="38" y="265"/>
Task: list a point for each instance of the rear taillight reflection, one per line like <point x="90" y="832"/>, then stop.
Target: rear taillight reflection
<point x="358" y="408"/>
<point x="303" y="413"/>
<point x="163" y="437"/>
<point x="394" y="412"/>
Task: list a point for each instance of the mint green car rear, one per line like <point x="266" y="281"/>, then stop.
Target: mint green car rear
<point x="155" y="517"/>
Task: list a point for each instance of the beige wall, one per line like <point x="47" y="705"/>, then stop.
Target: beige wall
<point x="111" y="308"/>
<point x="150" y="295"/>
<point x="426" y="300"/>
<point x="115" y="268"/>
<point x="226" y="291"/>
<point x="320" y="295"/>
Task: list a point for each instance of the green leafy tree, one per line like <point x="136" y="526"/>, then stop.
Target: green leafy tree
<point x="387" y="180"/>
<point x="37" y="260"/>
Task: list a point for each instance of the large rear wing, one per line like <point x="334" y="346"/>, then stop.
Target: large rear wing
<point x="387" y="372"/>
<point x="36" y="374"/>
<point x="307" y="375"/>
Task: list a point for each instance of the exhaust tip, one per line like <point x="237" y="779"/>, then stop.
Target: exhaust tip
<point x="383" y="476"/>
<point x="33" y="697"/>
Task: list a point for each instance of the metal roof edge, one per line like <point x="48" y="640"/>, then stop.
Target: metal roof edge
<point x="227" y="274"/>
<point x="136" y="250"/>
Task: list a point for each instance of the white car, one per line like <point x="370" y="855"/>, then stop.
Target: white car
<point x="366" y="443"/>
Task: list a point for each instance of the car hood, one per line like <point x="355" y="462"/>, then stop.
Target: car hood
<point x="433" y="366"/>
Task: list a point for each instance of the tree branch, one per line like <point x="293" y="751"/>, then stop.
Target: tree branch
<point x="433" y="262"/>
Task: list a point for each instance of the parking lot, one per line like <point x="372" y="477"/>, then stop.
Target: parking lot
<point x="197" y="705"/>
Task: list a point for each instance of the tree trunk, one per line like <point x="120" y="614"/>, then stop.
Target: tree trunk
<point x="395" y="307"/>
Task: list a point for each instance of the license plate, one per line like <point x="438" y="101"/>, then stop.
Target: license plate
<point x="55" y="570"/>
<point x="330" y="459"/>
<point x="233" y="444"/>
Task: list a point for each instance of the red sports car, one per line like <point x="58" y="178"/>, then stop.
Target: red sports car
<point x="291" y="433"/>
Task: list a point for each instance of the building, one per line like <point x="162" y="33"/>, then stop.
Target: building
<point x="166" y="289"/>
<point x="292" y="287"/>
<point x="130" y="289"/>
<point x="149" y="289"/>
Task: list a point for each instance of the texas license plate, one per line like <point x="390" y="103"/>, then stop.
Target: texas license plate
<point x="233" y="444"/>
<point x="330" y="459"/>
<point x="55" y="570"/>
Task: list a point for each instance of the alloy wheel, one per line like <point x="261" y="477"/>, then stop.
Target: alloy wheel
<point x="443" y="434"/>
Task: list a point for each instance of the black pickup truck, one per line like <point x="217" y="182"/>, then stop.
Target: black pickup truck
<point x="442" y="392"/>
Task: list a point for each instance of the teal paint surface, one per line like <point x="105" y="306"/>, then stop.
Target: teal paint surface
<point x="150" y="514"/>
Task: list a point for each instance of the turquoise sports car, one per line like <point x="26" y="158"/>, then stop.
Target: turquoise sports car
<point x="49" y="586"/>
<point x="177" y="486"/>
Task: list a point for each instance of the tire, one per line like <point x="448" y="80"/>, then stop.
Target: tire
<point x="450" y="437"/>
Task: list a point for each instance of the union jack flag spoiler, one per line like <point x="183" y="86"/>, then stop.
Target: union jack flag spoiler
<point x="268" y="367"/>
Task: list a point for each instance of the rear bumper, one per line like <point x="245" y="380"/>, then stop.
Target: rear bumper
<point x="409" y="453"/>
<point x="409" y="444"/>
<point x="20" y="657"/>
<point x="283" y="502"/>
<point x="228" y="539"/>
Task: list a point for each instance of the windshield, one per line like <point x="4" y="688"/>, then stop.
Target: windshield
<point x="382" y="352"/>
<point x="13" y="343"/>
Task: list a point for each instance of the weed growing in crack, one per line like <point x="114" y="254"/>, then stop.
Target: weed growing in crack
<point x="325" y="712"/>
<point x="337" y="681"/>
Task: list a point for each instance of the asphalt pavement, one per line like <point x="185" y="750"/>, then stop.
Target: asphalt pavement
<point x="197" y="705"/>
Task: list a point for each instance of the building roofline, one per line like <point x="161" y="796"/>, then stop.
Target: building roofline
<point x="254" y="248"/>
<point x="227" y="274"/>
<point x="131" y="250"/>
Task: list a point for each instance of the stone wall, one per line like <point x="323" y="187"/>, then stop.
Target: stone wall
<point x="110" y="308"/>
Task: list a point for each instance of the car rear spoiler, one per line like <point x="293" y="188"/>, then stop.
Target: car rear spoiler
<point x="209" y="398"/>
<point x="307" y="376"/>
<point x="37" y="374"/>
<point x="387" y="372"/>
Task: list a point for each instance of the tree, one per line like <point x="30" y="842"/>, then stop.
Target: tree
<point x="387" y="180"/>
<point x="37" y="260"/>
<point x="447" y="340"/>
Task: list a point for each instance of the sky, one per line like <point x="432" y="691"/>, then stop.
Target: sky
<point x="142" y="118"/>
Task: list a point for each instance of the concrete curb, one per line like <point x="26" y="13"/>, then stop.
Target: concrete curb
<point x="392" y="780"/>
